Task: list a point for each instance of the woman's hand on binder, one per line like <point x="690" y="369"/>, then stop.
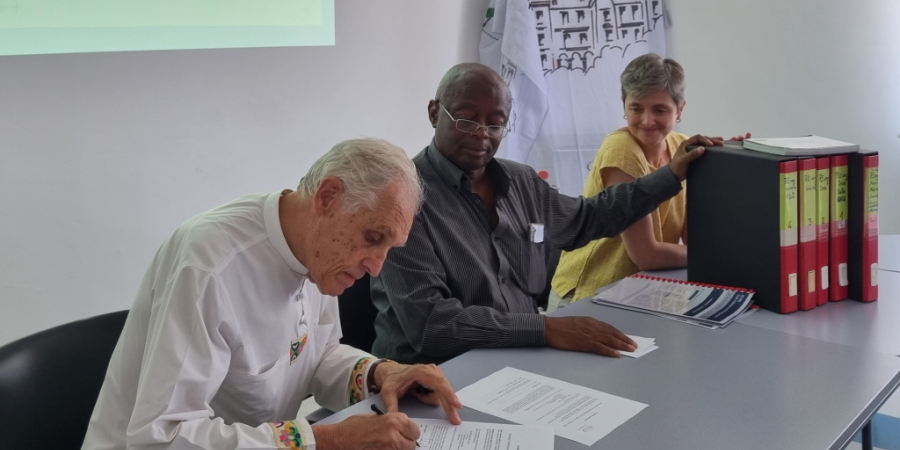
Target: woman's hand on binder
<point x="586" y="334"/>
<point x="683" y="158"/>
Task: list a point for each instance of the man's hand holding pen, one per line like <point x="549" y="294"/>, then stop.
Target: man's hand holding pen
<point x="389" y="428"/>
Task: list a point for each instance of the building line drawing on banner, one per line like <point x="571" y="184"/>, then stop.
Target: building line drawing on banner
<point x="574" y="34"/>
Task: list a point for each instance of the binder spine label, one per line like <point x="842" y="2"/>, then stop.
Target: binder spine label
<point x="808" y="227"/>
<point x="839" y="209"/>
<point x="822" y="209"/>
<point x="872" y="202"/>
<point x="788" y="209"/>
<point x="792" y="285"/>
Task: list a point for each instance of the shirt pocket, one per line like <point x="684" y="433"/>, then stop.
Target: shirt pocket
<point x="318" y="338"/>
<point x="528" y="262"/>
<point x="257" y="395"/>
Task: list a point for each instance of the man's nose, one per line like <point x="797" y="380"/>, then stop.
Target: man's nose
<point x="374" y="264"/>
<point x="481" y="132"/>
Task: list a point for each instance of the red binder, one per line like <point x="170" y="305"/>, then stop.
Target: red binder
<point x="837" y="266"/>
<point x="808" y="264"/>
<point x="789" y="235"/>
<point x="823" y="167"/>
<point x="862" y="259"/>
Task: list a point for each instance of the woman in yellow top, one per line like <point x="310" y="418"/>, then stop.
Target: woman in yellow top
<point x="653" y="96"/>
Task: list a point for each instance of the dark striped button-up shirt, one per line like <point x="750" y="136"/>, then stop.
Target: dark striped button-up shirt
<point x="460" y="284"/>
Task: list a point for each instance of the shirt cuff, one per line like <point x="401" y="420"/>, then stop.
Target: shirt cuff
<point x="526" y="330"/>
<point x="359" y="389"/>
<point x="295" y="435"/>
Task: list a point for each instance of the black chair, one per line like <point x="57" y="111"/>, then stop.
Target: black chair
<point x="358" y="315"/>
<point x="49" y="382"/>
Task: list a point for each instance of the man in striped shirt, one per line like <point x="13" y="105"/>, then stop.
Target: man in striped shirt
<point x="475" y="257"/>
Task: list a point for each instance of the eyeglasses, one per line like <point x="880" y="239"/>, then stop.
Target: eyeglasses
<point x="468" y="126"/>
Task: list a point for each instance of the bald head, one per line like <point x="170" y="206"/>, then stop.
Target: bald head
<point x="465" y="76"/>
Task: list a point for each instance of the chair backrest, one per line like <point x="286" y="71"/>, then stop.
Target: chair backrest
<point x="358" y="315"/>
<point x="49" y="382"/>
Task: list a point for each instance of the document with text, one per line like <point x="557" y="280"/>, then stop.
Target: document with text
<point x="442" y="435"/>
<point x="575" y="412"/>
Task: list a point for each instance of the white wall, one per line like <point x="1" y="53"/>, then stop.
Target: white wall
<point x="103" y="155"/>
<point x="795" y="67"/>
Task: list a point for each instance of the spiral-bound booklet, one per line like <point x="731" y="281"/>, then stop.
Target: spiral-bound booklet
<point x="703" y="304"/>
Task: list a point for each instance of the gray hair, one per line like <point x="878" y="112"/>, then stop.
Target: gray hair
<point x="650" y="73"/>
<point x="365" y="167"/>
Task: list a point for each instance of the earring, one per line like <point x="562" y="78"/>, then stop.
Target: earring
<point x="678" y="120"/>
<point x="624" y="117"/>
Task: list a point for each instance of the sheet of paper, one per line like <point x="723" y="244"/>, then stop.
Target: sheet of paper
<point x="442" y="435"/>
<point x="575" y="412"/>
<point x="644" y="346"/>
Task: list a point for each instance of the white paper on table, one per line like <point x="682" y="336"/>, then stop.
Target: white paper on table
<point x="644" y="346"/>
<point x="575" y="412"/>
<point x="443" y="435"/>
<point x="641" y="351"/>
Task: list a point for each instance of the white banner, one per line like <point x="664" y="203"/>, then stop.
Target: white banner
<point x="562" y="60"/>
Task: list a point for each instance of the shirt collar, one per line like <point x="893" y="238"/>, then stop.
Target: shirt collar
<point x="276" y="234"/>
<point x="457" y="178"/>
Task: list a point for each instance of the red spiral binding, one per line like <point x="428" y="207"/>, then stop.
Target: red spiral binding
<point x="713" y="286"/>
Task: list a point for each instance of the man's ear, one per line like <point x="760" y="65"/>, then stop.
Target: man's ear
<point x="433" y="112"/>
<point x="328" y="195"/>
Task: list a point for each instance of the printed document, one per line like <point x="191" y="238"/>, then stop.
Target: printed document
<point x="575" y="412"/>
<point x="442" y="435"/>
<point x="702" y="304"/>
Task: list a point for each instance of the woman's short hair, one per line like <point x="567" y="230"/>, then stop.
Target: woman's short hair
<point x="650" y="73"/>
<point x="365" y="167"/>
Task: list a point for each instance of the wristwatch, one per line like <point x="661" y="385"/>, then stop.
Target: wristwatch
<point x="370" y="381"/>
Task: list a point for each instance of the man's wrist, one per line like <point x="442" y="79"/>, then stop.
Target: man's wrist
<point x="377" y="372"/>
<point x="326" y="437"/>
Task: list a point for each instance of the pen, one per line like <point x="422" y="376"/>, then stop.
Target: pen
<point x="381" y="412"/>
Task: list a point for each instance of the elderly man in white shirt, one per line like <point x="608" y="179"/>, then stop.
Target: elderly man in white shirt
<point x="228" y="335"/>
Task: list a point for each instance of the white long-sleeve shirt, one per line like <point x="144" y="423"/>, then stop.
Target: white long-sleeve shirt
<point x="225" y="337"/>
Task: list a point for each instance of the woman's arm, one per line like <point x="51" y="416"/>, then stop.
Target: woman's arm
<point x="640" y="241"/>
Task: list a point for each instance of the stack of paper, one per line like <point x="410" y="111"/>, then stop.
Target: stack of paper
<point x="575" y="412"/>
<point x="800" y="146"/>
<point x="442" y="435"/>
<point x="644" y="346"/>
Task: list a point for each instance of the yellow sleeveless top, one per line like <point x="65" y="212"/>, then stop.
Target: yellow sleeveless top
<point x="605" y="260"/>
